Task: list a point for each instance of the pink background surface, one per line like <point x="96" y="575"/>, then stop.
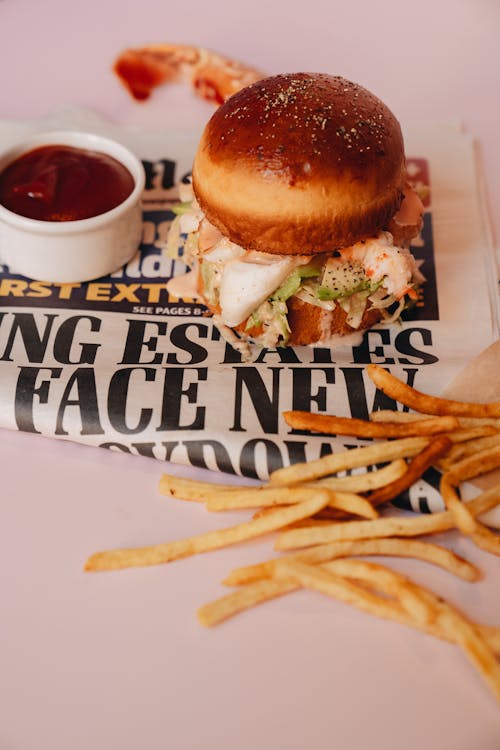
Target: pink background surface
<point x="119" y="660"/>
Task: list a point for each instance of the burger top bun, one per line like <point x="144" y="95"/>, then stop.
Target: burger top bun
<point x="300" y="163"/>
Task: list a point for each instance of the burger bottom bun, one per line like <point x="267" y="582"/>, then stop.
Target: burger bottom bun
<point x="310" y="324"/>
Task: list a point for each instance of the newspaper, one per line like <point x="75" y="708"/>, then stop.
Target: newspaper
<point x="117" y="363"/>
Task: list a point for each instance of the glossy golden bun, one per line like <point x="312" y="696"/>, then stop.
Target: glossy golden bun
<point x="300" y="163"/>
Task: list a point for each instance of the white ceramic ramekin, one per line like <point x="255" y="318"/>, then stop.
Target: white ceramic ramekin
<point x="72" y="251"/>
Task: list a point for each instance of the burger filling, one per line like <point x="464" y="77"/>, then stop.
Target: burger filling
<point x="249" y="290"/>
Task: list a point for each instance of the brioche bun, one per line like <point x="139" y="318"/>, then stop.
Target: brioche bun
<point x="299" y="164"/>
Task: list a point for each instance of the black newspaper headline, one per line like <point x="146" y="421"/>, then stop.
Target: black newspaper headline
<point x="58" y="378"/>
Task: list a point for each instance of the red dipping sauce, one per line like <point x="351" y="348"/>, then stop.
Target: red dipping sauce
<point x="63" y="183"/>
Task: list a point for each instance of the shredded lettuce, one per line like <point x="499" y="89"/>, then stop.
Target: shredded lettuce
<point x="253" y="321"/>
<point x="209" y="275"/>
<point x="272" y="316"/>
<point x="354" y="306"/>
<point x="280" y="312"/>
<point x="182" y="208"/>
<point x="308" y="292"/>
<point x="173" y="245"/>
<point x="381" y="298"/>
<point x="181" y="244"/>
<point x="392" y="317"/>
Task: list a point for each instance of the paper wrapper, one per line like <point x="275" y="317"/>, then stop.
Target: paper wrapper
<point x="122" y="363"/>
<point x="480" y="381"/>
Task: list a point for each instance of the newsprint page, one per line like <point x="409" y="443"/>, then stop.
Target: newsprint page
<point x="118" y="363"/>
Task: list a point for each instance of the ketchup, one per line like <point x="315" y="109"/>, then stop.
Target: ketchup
<point x="63" y="183"/>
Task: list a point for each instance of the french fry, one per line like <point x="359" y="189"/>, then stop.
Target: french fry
<point x="164" y="553"/>
<point x="414" y="548"/>
<point x="384" y="527"/>
<point x="341" y="504"/>
<point x="351" y="530"/>
<point x="456" y="627"/>
<point x="464" y="519"/>
<point x="318" y="518"/>
<point x="405" y="394"/>
<point x="259" y="497"/>
<point x="308" y="523"/>
<point x="368" y="480"/>
<point x="243" y="598"/>
<point x="472" y="466"/>
<point x="272" y="496"/>
<point x="476" y="421"/>
<point x="261" y="591"/>
<point x="387" y="415"/>
<point x="472" y="640"/>
<point x="485" y="501"/>
<point x="351" y="503"/>
<point x="219" y="497"/>
<point x="334" y="514"/>
<point x="463" y="439"/>
<point x="332" y="425"/>
<point x="491" y="635"/>
<point x="383" y="580"/>
<point x="230" y="497"/>
<point x="436" y="449"/>
<point x="261" y="512"/>
<point x="320" y="579"/>
<point x="469" y="467"/>
<point x="469" y="448"/>
<point x="194" y="489"/>
<point x="351" y="459"/>
<point x="486" y="540"/>
<point x="466" y="434"/>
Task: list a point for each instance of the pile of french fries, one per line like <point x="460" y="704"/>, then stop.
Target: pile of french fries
<point x="327" y="522"/>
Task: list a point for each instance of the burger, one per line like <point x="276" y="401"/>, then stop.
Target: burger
<point x="299" y="217"/>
